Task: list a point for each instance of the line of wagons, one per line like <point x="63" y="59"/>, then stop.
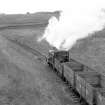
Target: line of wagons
<point x="88" y="83"/>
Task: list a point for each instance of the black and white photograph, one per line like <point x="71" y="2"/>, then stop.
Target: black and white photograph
<point x="52" y="52"/>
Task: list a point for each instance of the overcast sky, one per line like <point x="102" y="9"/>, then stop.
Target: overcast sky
<point x="23" y="6"/>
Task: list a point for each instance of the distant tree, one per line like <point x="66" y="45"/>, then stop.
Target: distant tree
<point x="57" y="13"/>
<point x="28" y="13"/>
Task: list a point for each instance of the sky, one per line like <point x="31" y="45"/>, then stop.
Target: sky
<point x="23" y="6"/>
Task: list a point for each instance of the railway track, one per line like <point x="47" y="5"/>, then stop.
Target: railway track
<point x="74" y="95"/>
<point x="29" y="49"/>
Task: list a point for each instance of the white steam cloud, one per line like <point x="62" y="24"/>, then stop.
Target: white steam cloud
<point x="80" y="20"/>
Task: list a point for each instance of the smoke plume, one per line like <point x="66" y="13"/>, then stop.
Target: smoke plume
<point x="79" y="20"/>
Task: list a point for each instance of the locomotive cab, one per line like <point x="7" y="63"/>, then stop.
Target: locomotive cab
<point x="62" y="56"/>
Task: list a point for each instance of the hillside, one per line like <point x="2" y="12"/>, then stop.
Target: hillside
<point x="24" y="19"/>
<point x="91" y="51"/>
<point x="27" y="28"/>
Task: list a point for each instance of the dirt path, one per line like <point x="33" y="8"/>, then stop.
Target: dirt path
<point x="38" y="84"/>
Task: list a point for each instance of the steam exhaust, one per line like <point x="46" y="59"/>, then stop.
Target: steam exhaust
<point x="81" y="20"/>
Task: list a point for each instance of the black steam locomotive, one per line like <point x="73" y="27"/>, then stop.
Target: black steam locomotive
<point x="86" y="82"/>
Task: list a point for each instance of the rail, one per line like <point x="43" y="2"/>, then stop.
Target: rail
<point x="28" y="48"/>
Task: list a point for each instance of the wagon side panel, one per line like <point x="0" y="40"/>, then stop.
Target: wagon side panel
<point x="101" y="98"/>
<point x="78" y="84"/>
<point x="89" y="94"/>
<point x="58" y="66"/>
<point x="69" y="74"/>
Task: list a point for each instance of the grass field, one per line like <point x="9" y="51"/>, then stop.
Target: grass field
<point x="27" y="28"/>
<point x="27" y="81"/>
<point x="17" y="87"/>
<point x="31" y="26"/>
<point x="91" y="51"/>
<point x="25" y="19"/>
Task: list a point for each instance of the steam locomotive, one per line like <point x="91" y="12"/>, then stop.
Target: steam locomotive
<point x="88" y="83"/>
